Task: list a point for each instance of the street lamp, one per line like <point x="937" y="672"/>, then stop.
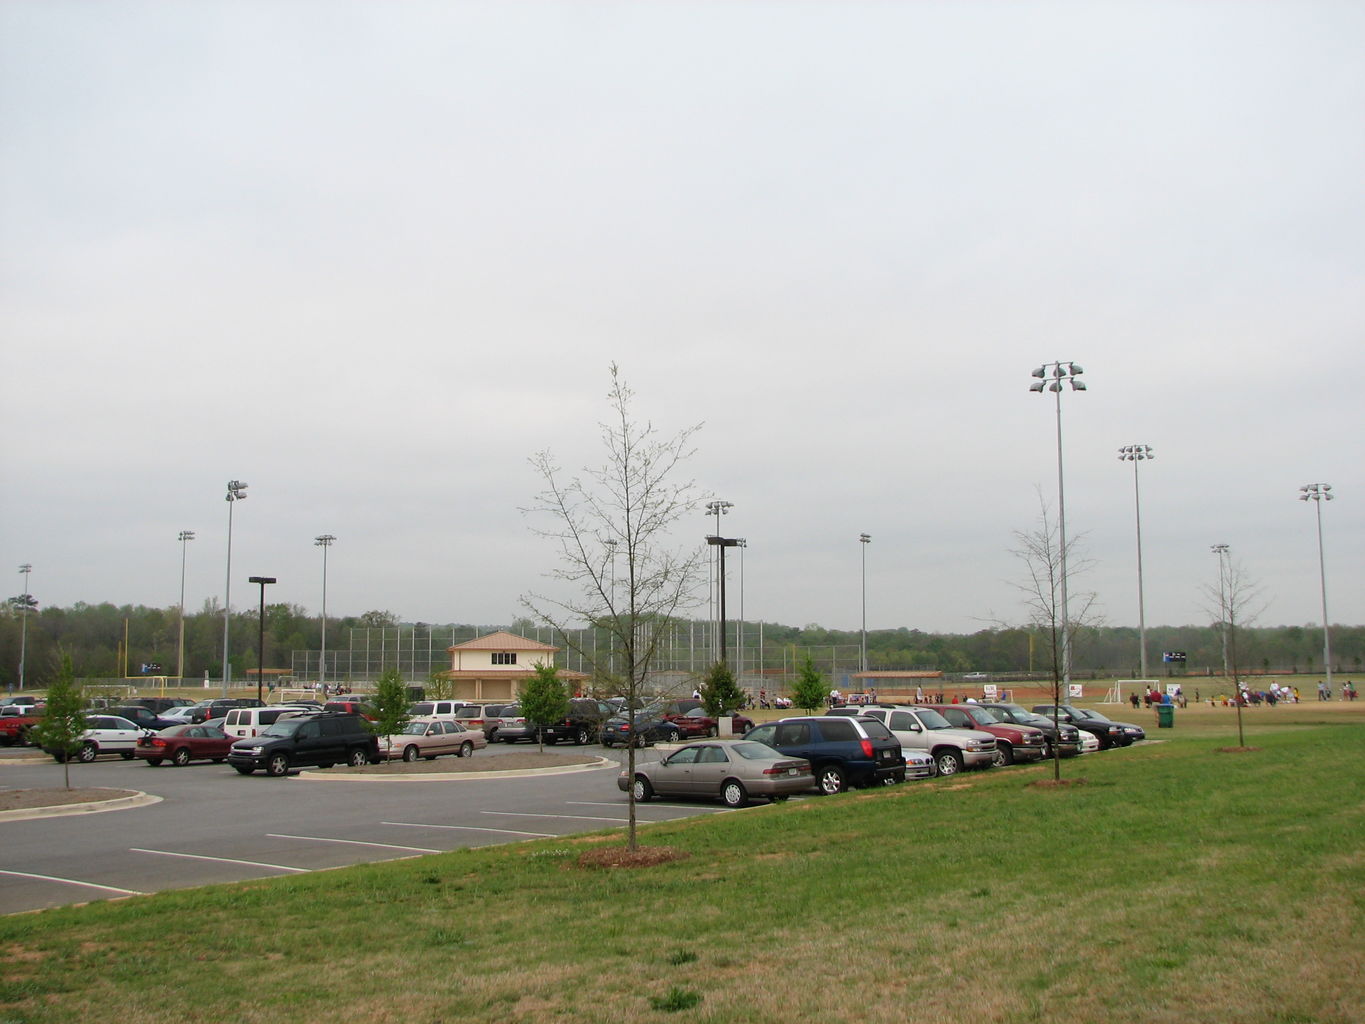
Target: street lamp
<point x="260" y="657"/>
<point x="185" y="537"/>
<point x="864" y="539"/>
<point x="1222" y="551"/>
<point x="1318" y="493"/>
<point x="723" y="543"/>
<point x="24" y="570"/>
<point x="715" y="508"/>
<point x="1050" y="377"/>
<point x="236" y="491"/>
<point x="1136" y="453"/>
<point x="324" y="542"/>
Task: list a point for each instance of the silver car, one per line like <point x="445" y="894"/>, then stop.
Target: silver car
<point x="733" y="770"/>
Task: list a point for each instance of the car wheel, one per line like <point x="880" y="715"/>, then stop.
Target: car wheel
<point x="580" y="737"/>
<point x="466" y="749"/>
<point x="733" y="793"/>
<point x="642" y="789"/>
<point x="153" y="762"/>
<point x="244" y="769"/>
<point x="1004" y="755"/>
<point x="608" y="744"/>
<point x="673" y="736"/>
<point x="59" y="756"/>
<point x="358" y="758"/>
<point x="1047" y="750"/>
<point x="181" y="757"/>
<point x="127" y="755"/>
<point x="277" y="765"/>
<point x="831" y="780"/>
<point x="87" y="753"/>
<point x="949" y="762"/>
<point x="640" y="740"/>
<point x="411" y="753"/>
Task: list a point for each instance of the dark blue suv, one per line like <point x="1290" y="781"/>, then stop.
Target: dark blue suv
<point x="843" y="752"/>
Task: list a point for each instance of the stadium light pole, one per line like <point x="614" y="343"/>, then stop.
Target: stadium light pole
<point x="260" y="657"/>
<point x="24" y="571"/>
<point x="864" y="539"/>
<point x="185" y="537"/>
<point x="1317" y="494"/>
<point x="1050" y="377"/>
<point x="1136" y="453"/>
<point x="723" y="543"/>
<point x="716" y="508"/>
<point x="1222" y="551"/>
<point x="323" y="541"/>
<point x="236" y="491"/>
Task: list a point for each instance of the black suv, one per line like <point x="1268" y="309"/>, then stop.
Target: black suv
<point x="582" y="724"/>
<point x="843" y="751"/>
<point x="320" y="740"/>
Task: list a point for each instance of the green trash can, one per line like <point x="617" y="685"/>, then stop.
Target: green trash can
<point x="1165" y="716"/>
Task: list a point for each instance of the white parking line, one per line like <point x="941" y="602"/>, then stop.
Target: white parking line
<point x="74" y="881"/>
<point x="524" y="814"/>
<point x="472" y="828"/>
<point x="352" y="842"/>
<point x="222" y="860"/>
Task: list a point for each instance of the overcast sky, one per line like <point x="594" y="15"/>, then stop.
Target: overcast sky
<point x="369" y="257"/>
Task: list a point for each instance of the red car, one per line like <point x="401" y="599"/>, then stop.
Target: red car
<point x="16" y="721"/>
<point x="696" y="722"/>
<point x="182" y="744"/>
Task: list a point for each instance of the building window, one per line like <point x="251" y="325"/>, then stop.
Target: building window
<point x="504" y="657"/>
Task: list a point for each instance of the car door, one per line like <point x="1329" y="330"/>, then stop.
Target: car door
<point x="711" y="769"/>
<point x="673" y="775"/>
<point x="907" y="729"/>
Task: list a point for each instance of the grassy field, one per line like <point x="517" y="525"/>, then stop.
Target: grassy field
<point x="1172" y="882"/>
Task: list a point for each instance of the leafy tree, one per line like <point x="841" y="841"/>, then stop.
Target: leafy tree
<point x="543" y="699"/>
<point x="378" y="620"/>
<point x="62" y="727"/>
<point x="809" y="692"/>
<point x="439" y="686"/>
<point x="719" y="692"/>
<point x="611" y="526"/>
<point x="390" y="703"/>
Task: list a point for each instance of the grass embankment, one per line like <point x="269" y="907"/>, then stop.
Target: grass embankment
<point x="1177" y="883"/>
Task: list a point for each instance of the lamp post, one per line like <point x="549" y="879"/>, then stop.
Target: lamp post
<point x="723" y="543"/>
<point x="1136" y="453"/>
<point x="864" y="539"/>
<point x="1222" y="551"/>
<point x="236" y="491"/>
<point x="260" y="657"/>
<point x="716" y="508"/>
<point x="185" y="537"/>
<point x="24" y="570"/>
<point x="1050" y="377"/>
<point x="1317" y="494"/>
<point x="324" y="541"/>
<point x="739" y="628"/>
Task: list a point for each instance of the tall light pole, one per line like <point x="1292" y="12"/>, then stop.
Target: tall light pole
<point x="1050" y="377"/>
<point x="185" y="537"/>
<point x="236" y="491"/>
<point x="864" y="539"/>
<point x="1222" y="551"/>
<point x="1136" y="453"/>
<point x="716" y="508"/>
<point x="260" y="657"/>
<point x="24" y="570"/>
<point x="324" y="541"/>
<point x="723" y="543"/>
<point x="1317" y="494"/>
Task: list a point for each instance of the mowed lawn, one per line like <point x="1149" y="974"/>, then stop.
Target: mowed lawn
<point x="1174" y="882"/>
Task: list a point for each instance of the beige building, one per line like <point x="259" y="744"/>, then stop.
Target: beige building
<point x="492" y="668"/>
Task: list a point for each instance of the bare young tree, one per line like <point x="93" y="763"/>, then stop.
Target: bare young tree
<point x="1040" y="551"/>
<point x="1235" y="602"/>
<point x="611" y="525"/>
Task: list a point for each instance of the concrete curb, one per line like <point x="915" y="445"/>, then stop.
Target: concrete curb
<point x="519" y="773"/>
<point x="122" y="803"/>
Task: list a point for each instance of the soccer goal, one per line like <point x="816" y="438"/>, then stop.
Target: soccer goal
<point x="1115" y="694"/>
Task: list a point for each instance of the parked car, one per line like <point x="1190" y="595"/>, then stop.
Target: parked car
<point x="350" y="706"/>
<point x="160" y="705"/>
<point x="142" y="717"/>
<point x="15" y="722"/>
<point x="180" y="715"/>
<point x="1066" y="737"/>
<point x="581" y="724"/>
<point x="922" y="728"/>
<point x="844" y="751"/>
<point x="107" y="734"/>
<point x="512" y="726"/>
<point x="733" y="770"/>
<point x="649" y="726"/>
<point x="1013" y="742"/>
<point x="181" y="744"/>
<point x="435" y="708"/>
<point x="317" y="740"/>
<point x="218" y="707"/>
<point x="698" y="720"/>
<point x="1109" y="733"/>
<point x="429" y="738"/>
<point x="247" y="722"/>
<point x="476" y="716"/>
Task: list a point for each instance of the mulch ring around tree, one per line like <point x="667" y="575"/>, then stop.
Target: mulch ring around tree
<point x="625" y="857"/>
<point x="1056" y="783"/>
<point x="1235" y="750"/>
<point x="449" y="765"/>
<point x="27" y="799"/>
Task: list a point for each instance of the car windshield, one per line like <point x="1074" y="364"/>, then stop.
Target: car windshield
<point x="754" y="751"/>
<point x="415" y="729"/>
<point x="933" y="720"/>
<point x="285" y="728"/>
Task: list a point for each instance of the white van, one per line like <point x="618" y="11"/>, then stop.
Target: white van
<point x="435" y="708"/>
<point x="246" y="722"/>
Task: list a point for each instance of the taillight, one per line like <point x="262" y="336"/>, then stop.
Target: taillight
<point x="867" y="749"/>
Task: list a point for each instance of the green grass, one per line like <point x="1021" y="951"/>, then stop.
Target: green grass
<point x="1176" y="883"/>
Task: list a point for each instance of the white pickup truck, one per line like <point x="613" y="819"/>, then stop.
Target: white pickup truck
<point x="925" y="729"/>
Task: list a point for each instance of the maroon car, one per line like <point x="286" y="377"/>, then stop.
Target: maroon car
<point x="1012" y="742"/>
<point x="182" y="744"/>
<point x="696" y="722"/>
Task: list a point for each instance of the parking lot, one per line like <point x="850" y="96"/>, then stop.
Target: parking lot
<point x="213" y="825"/>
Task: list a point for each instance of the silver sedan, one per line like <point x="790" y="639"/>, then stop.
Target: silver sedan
<point x="733" y="770"/>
